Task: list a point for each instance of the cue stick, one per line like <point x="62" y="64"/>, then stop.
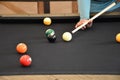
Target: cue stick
<point x="97" y="15"/>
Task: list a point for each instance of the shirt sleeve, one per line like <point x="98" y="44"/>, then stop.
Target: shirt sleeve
<point x="84" y="8"/>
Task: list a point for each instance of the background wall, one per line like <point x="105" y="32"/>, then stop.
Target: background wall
<point x="61" y="7"/>
<point x="56" y="7"/>
<point x="18" y="8"/>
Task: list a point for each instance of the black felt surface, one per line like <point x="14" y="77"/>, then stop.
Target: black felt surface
<point x="93" y="51"/>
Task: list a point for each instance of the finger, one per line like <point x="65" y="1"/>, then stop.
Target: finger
<point x="91" y="21"/>
<point x="83" y="28"/>
<point x="89" y="25"/>
<point x="78" y="24"/>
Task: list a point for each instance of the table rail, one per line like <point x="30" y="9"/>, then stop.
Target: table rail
<point x="38" y="0"/>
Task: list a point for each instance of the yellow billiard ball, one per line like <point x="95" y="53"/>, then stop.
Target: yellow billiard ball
<point x="47" y="21"/>
<point x="118" y="37"/>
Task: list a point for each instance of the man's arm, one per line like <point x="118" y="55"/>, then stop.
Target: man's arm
<point x="84" y="8"/>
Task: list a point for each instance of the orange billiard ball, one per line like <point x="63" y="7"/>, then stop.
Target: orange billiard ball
<point x="25" y="60"/>
<point x="118" y="37"/>
<point x="47" y="21"/>
<point x="21" y="48"/>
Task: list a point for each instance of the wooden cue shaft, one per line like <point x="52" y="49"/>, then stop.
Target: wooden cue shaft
<point x="94" y="17"/>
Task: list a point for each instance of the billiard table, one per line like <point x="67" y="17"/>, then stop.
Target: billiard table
<point x="91" y="51"/>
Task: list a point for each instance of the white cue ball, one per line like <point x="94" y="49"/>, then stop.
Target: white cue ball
<point x="47" y="21"/>
<point x="67" y="36"/>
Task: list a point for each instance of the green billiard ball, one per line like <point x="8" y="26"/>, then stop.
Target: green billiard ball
<point x="49" y="32"/>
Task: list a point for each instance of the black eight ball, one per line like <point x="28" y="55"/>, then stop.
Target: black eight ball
<point x="51" y="38"/>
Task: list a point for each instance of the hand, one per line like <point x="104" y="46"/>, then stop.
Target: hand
<point x="83" y="21"/>
<point x="118" y="0"/>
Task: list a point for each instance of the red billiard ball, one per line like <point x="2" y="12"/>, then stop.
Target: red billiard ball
<point x="25" y="60"/>
<point x="21" y="48"/>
